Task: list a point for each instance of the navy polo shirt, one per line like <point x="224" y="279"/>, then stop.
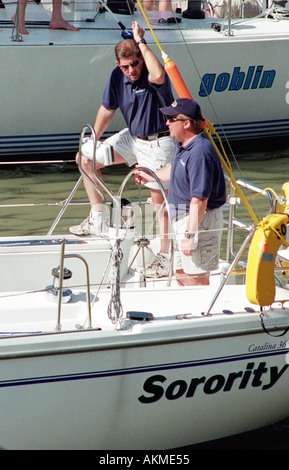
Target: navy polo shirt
<point x="196" y="172"/>
<point x="138" y="101"/>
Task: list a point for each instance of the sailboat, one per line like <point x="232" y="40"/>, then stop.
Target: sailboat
<point x="52" y="80"/>
<point x="96" y="355"/>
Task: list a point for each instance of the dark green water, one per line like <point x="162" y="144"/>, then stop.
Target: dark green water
<point x="29" y="193"/>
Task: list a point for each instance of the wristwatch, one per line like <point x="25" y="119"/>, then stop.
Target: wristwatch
<point x="189" y="235"/>
<point x="142" y="41"/>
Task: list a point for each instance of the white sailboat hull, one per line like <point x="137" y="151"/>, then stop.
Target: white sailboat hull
<point x="156" y="385"/>
<point x="182" y="378"/>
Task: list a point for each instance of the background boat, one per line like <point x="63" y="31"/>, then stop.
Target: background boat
<point x="52" y="81"/>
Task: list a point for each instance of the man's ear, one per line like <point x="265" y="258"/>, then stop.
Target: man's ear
<point x="187" y="124"/>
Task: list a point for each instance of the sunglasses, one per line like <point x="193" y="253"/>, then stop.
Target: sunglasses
<point x="132" y="65"/>
<point x="173" y="119"/>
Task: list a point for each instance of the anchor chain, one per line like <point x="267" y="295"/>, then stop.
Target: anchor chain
<point x="114" y="310"/>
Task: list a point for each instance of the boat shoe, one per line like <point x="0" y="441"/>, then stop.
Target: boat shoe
<point x="89" y="226"/>
<point x="160" y="267"/>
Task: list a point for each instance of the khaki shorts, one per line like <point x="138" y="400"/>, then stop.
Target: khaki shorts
<point x="153" y="154"/>
<point x="206" y="255"/>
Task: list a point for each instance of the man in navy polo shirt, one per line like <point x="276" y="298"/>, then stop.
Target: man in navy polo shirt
<point x="139" y="87"/>
<point x="196" y="194"/>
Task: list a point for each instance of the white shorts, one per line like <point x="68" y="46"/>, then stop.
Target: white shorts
<point x="153" y="154"/>
<point x="206" y="255"/>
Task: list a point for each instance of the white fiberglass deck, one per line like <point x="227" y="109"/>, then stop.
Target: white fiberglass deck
<point x="104" y="30"/>
<point x="172" y="307"/>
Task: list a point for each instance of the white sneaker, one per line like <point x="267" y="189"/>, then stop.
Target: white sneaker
<point x="89" y="226"/>
<point x="160" y="267"/>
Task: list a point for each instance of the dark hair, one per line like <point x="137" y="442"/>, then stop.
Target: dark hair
<point x="126" y="48"/>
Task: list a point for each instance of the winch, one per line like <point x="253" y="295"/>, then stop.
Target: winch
<point x="53" y="289"/>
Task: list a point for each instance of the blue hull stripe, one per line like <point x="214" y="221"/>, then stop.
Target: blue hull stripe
<point x="69" y="142"/>
<point x="139" y="370"/>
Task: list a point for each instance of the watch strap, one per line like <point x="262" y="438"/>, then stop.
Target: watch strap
<point x="142" y="41"/>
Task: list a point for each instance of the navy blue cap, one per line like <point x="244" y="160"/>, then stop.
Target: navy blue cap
<point x="186" y="106"/>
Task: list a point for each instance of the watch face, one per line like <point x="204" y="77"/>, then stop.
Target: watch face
<point x="189" y="235"/>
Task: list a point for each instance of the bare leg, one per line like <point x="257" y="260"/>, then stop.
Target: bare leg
<point x="165" y="5"/>
<point x="157" y="199"/>
<point x="148" y="5"/>
<point x="192" y="280"/>
<point x="57" y="20"/>
<point x="94" y="197"/>
<point x="156" y="195"/>
<point x="22" y="28"/>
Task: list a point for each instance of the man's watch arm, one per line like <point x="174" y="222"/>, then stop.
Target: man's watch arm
<point x="189" y="235"/>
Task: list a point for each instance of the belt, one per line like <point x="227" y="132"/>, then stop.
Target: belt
<point x="155" y="136"/>
<point x="179" y="216"/>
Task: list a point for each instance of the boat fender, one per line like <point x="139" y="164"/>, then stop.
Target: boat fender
<point x="194" y="10"/>
<point x="122" y="7"/>
<point x="103" y="153"/>
<point x="269" y="235"/>
<point x="194" y="14"/>
<point x="179" y="83"/>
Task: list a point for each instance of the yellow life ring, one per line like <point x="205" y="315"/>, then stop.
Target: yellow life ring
<point x="269" y="235"/>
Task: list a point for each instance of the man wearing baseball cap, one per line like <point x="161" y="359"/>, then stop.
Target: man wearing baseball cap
<point x="196" y="193"/>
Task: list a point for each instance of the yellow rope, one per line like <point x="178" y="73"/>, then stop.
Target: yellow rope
<point x="266" y="226"/>
<point x="152" y="31"/>
<point x="227" y="167"/>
